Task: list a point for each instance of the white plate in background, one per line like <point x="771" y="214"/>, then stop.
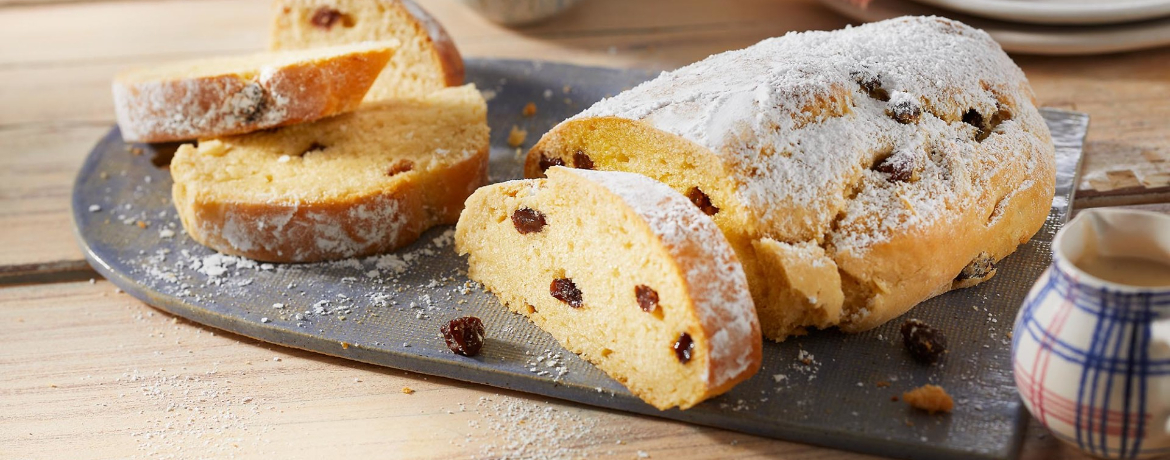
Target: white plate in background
<point x="1059" y="11"/>
<point x="1026" y="38"/>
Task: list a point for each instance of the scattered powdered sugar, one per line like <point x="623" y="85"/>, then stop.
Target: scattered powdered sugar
<point x="717" y="282"/>
<point x="518" y="428"/>
<point x="547" y="364"/>
<point x="192" y="411"/>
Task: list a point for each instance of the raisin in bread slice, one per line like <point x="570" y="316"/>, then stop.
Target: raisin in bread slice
<point x="856" y="172"/>
<point x="232" y="95"/>
<point x="426" y="61"/>
<point x="356" y="184"/>
<point x="622" y="270"/>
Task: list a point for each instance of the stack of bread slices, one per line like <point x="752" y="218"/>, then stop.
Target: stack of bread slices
<point x="350" y="138"/>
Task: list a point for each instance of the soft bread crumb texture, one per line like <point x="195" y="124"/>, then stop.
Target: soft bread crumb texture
<point x="607" y="244"/>
<point x="427" y="59"/>
<point x="355" y="184"/>
<point x="930" y="398"/>
<point x="856" y="172"/>
<point x="233" y="95"/>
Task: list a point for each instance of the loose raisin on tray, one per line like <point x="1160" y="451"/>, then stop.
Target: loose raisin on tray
<point x="647" y="298"/>
<point x="581" y="160"/>
<point x="925" y="343"/>
<point x="683" y="347"/>
<point x="701" y="200"/>
<point x="464" y="335"/>
<point x="528" y="220"/>
<point x="546" y="162"/>
<point x="564" y="290"/>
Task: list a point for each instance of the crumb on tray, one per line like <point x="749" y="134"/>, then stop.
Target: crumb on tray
<point x="529" y="109"/>
<point x="930" y="398"/>
<point x="517" y="136"/>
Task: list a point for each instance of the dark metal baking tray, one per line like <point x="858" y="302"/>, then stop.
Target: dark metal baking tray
<point x="827" y="388"/>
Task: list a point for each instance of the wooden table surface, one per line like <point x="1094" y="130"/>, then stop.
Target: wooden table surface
<point x="88" y="372"/>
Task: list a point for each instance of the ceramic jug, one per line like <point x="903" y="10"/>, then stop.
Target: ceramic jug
<point x="1091" y="357"/>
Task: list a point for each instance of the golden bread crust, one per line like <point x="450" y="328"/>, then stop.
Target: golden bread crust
<point x="164" y="107"/>
<point x="355" y="226"/>
<point x="429" y="59"/>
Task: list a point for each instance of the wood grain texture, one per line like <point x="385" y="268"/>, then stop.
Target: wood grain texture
<point x="1127" y="154"/>
<point x="36" y="177"/>
<point x="92" y="373"/>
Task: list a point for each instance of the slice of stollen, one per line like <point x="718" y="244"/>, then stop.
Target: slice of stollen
<point x="426" y="61"/>
<point x="356" y="184"/>
<point x="856" y="172"/>
<point x="232" y="95"/>
<point x="622" y="270"/>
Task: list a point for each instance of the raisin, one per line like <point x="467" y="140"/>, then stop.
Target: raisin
<point x="974" y="118"/>
<point x="400" y="167"/>
<point x="647" y="298"/>
<point x="701" y="200"/>
<point x="581" y="160"/>
<point x="684" y="347"/>
<point x="872" y="85"/>
<point x="255" y="102"/>
<point x="925" y="343"/>
<point x="905" y="111"/>
<point x="315" y="146"/>
<point x="325" y="17"/>
<point x="464" y="335"/>
<point x="982" y="266"/>
<point x="1001" y="115"/>
<point x="564" y="290"/>
<point x="528" y="220"/>
<point x="546" y="162"/>
<point x="899" y="167"/>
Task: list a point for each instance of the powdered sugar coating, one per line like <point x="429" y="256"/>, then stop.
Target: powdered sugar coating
<point x="791" y="120"/>
<point x="310" y="234"/>
<point x="189" y="108"/>
<point x="714" y="275"/>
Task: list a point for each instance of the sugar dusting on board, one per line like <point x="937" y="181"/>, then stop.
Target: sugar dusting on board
<point x="195" y="265"/>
